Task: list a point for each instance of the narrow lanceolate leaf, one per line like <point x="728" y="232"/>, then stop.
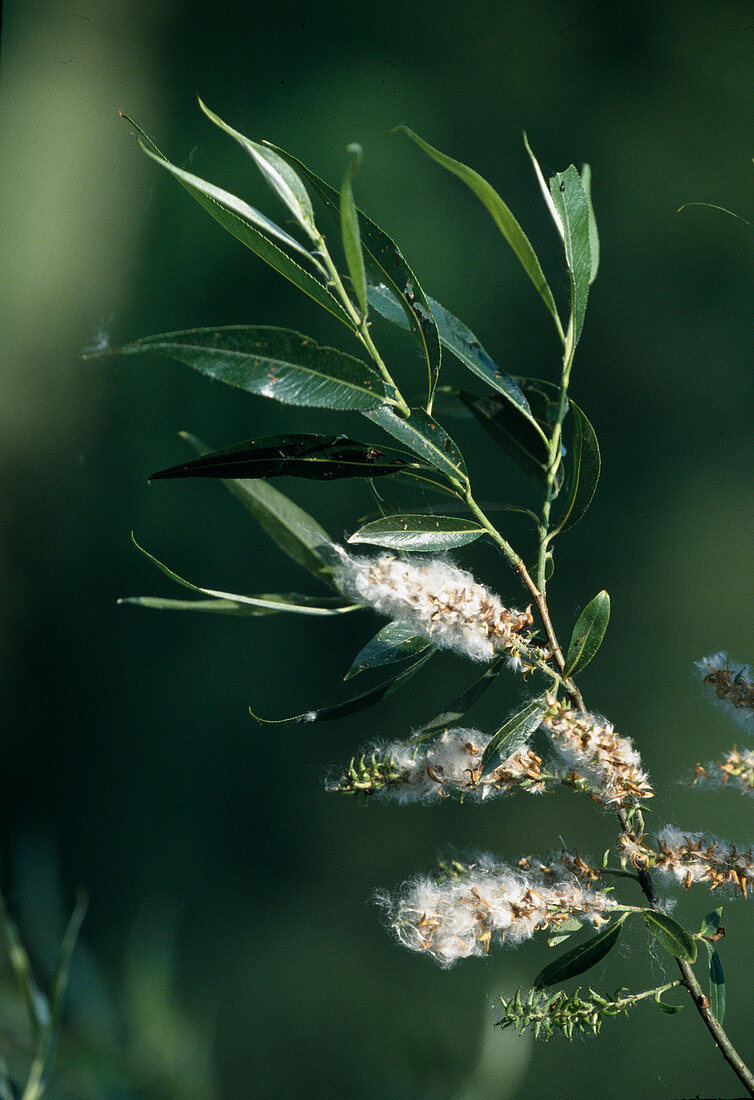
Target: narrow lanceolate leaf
<point x="394" y="642"/>
<point x="717" y="998"/>
<point x="385" y="264"/>
<point x="318" y="457"/>
<point x="501" y="215"/>
<point x="251" y="228"/>
<point x="316" y="605"/>
<point x="586" y="464"/>
<point x="513" y="735"/>
<point x="294" y="531"/>
<point x="458" y="339"/>
<point x="277" y="172"/>
<point x="424" y="436"/>
<point x="349" y="228"/>
<point x="671" y="935"/>
<point x="594" y="238"/>
<point x="418" y="532"/>
<point x="588" y="634"/>
<point x="571" y="202"/>
<point x="453" y="711"/>
<point x="264" y="604"/>
<point x="545" y="190"/>
<point x="357" y="703"/>
<point x="272" y="362"/>
<point x="581" y="958"/>
<point x="517" y="435"/>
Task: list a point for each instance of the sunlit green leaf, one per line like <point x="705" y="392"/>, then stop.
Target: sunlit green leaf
<point x="295" y="532"/>
<point x="272" y="362"/>
<point x="571" y="202"/>
<point x="670" y="934"/>
<point x="501" y="215"/>
<point x="394" y="642"/>
<point x="588" y="633"/>
<point x="251" y="228"/>
<point x="278" y="174"/>
<point x="357" y="703"/>
<point x="581" y="958"/>
<point x="564" y="931"/>
<point x="513" y="735"/>
<point x="418" y="532"/>
<point x="265" y="603"/>
<point x="318" y="457"/>
<point x="545" y="190"/>
<point x="424" y="436"/>
<point x="586" y="464"/>
<point x="349" y="228"/>
<point x="594" y="238"/>
<point x="385" y="264"/>
<point x="301" y="605"/>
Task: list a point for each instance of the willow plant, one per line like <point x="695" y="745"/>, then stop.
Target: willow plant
<point x="409" y="575"/>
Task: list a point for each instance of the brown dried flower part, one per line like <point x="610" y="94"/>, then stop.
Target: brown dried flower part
<point x="733" y="687"/>
<point x="609" y="762"/>
<point x="693" y="857"/>
<point x="564" y="863"/>
<point x="737" y="767"/>
<point x="633" y="849"/>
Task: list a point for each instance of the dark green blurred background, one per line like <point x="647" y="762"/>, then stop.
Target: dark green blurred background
<point x="231" y="949"/>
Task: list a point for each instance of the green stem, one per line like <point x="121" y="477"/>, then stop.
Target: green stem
<point x="360" y="324"/>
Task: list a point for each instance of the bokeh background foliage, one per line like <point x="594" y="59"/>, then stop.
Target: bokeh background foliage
<point x="230" y="949"/>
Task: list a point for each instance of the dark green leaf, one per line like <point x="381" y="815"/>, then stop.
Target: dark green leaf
<point x="711" y="922"/>
<point x="385" y="264"/>
<point x="349" y="228"/>
<point x="251" y="228"/>
<point x="394" y="642"/>
<point x="315" y="605"/>
<point x="351" y="706"/>
<point x="581" y="958"/>
<point x="424" y="436"/>
<point x="717" y="997"/>
<point x="501" y="215"/>
<point x="594" y="238"/>
<point x="296" y="532"/>
<point x="458" y="339"/>
<point x="278" y="174"/>
<point x="515" y="434"/>
<point x="585" y="472"/>
<point x="418" y="532"/>
<point x="272" y="362"/>
<point x="573" y="208"/>
<point x="320" y="457"/>
<point x="513" y="735"/>
<point x="588" y="633"/>
<point x="457" y="707"/>
<point x="670" y="935"/>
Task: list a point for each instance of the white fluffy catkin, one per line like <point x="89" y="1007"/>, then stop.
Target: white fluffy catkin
<point x="437" y="600"/>
<point x="460" y="917"/>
